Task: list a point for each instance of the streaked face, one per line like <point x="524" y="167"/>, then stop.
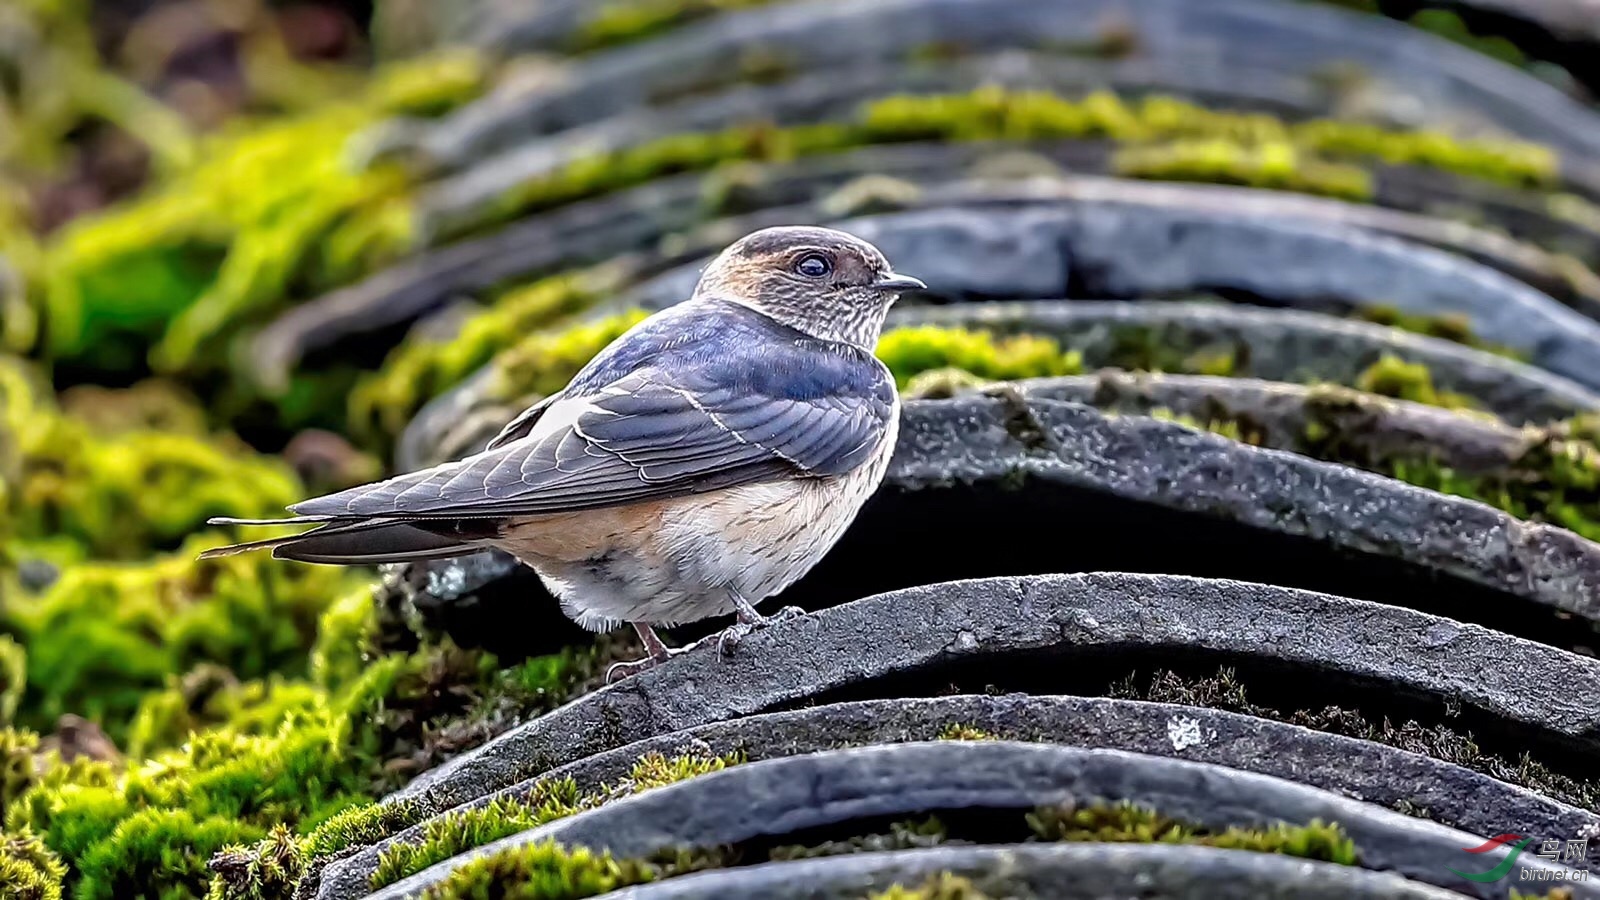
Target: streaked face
<point x="822" y="281"/>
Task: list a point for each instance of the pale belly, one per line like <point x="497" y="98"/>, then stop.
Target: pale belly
<point x="677" y="561"/>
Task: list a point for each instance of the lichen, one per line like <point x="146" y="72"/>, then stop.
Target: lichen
<point x="1224" y="691"/>
<point x="1127" y="822"/>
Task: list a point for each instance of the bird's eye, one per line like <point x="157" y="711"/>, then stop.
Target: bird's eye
<point x="813" y="265"/>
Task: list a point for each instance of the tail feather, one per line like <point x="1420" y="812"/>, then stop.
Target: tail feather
<point x="292" y="520"/>
<point x="369" y="541"/>
<point x="392" y="542"/>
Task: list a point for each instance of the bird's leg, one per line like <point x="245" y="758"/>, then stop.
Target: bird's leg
<point x="658" y="654"/>
<point x="747" y="619"/>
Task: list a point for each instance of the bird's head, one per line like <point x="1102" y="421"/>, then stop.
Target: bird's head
<point x="823" y="282"/>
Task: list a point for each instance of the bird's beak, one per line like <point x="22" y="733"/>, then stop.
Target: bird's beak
<point x="896" y="283"/>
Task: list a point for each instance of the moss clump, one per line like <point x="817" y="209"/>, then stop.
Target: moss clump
<point x="268" y="210"/>
<point x="1275" y="165"/>
<point x="543" y="871"/>
<point x="28" y="870"/>
<point x="1392" y="376"/>
<point x="85" y="489"/>
<point x="1225" y="692"/>
<point x="913" y="350"/>
<point x="543" y="363"/>
<point x="462" y="830"/>
<point x="943" y="886"/>
<point x="104" y="634"/>
<point x="956" y="731"/>
<point x="384" y="402"/>
<point x="625" y="21"/>
<point x="1260" y="146"/>
<point x="994" y="113"/>
<point x="1453" y="327"/>
<point x="1126" y="822"/>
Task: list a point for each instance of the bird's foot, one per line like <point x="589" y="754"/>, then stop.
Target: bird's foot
<point x="621" y="670"/>
<point x="749" y="620"/>
<point x="657" y="651"/>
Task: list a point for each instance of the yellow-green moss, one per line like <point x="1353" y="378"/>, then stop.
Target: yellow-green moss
<point x="911" y="834"/>
<point x="104" y="634"/>
<point x="1392" y="376"/>
<point x="118" y="494"/>
<point x="542" y="871"/>
<point x="956" y="731"/>
<point x="1298" y="155"/>
<point x="913" y="350"/>
<point x="28" y="870"/>
<point x="1127" y="822"/>
<point x="462" y="830"/>
<point x="625" y="21"/>
<point x="1453" y="327"/>
<point x="384" y="402"/>
<point x="1271" y="164"/>
<point x="544" y="362"/>
<point x="270" y="208"/>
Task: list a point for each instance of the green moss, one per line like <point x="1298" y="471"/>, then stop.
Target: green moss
<point x="106" y="633"/>
<point x="1453" y="327"/>
<point x="269" y="210"/>
<point x="543" y="363"/>
<point x="19" y="751"/>
<point x="943" y="886"/>
<point x="1260" y="147"/>
<point x="1224" y="691"/>
<point x="1275" y="165"/>
<point x="913" y="350"/>
<point x="456" y="832"/>
<point x="543" y="871"/>
<point x="384" y="402"/>
<point x="1392" y="376"/>
<point x="1126" y="822"/>
<point x="956" y="731"/>
<point x="625" y="21"/>
<point x="28" y="870"/>
<point x="13" y="680"/>
<point x="117" y="494"/>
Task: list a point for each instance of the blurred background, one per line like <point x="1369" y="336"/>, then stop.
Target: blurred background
<point x="254" y="251"/>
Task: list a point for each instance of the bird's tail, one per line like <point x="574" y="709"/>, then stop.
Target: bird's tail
<point x="363" y="542"/>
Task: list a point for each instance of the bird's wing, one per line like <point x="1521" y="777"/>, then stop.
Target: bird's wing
<point x="663" y="430"/>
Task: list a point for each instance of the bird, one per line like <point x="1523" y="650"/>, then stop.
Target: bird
<point x="702" y="462"/>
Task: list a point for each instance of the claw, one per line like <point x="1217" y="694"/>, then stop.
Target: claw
<point x="732" y="635"/>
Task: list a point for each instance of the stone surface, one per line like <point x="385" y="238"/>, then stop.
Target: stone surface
<point x="1271" y="344"/>
<point x="1364" y="770"/>
<point x="1139" y="247"/>
<point x="778" y="797"/>
<point x="981" y="477"/>
<point x="1065" y="871"/>
<point x="1279" y="416"/>
<point x="1409" y="72"/>
<point x="1065" y="617"/>
<point x="631" y="224"/>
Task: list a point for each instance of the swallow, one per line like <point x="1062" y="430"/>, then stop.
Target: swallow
<point x="701" y="463"/>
